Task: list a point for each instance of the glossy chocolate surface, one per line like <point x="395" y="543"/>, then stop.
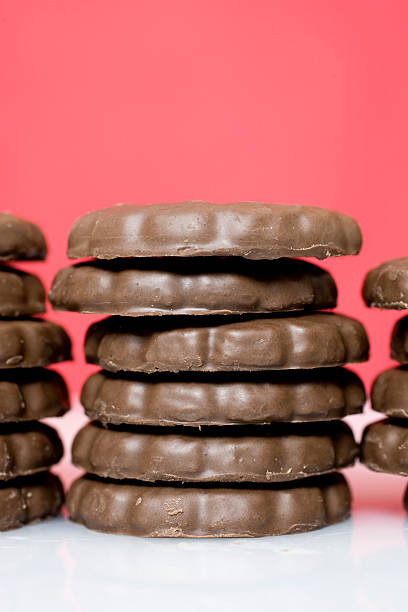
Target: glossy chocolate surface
<point x="206" y="285"/>
<point x="222" y="398"/>
<point x="399" y="341"/>
<point x="165" y="344"/>
<point x="20" y="239"/>
<point x="28" y="448"/>
<point x="188" y="229"/>
<point x="29" y="343"/>
<point x="29" y="500"/>
<point x="30" y="394"/>
<point x="274" y="453"/>
<point x="384" y="447"/>
<point x="386" y="286"/>
<point x="389" y="393"/>
<point x="208" y="511"/>
<point x="21" y="293"/>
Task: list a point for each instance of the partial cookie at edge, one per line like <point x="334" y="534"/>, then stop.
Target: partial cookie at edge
<point x="29" y="500"/>
<point x="29" y="343"/>
<point x="20" y="239"/>
<point x="399" y="341"/>
<point x="384" y="447"/>
<point x="28" y="448"/>
<point x="389" y="393"/>
<point x="386" y="286"/>
<point x="31" y="394"/>
<point x="21" y="294"/>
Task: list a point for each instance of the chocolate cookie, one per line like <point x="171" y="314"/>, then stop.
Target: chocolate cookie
<point x="27" y="395"/>
<point x="28" y="500"/>
<point x="399" y="341"/>
<point x="224" y="398"/>
<point x="386" y="286"/>
<point x="220" y="454"/>
<point x="208" y="285"/>
<point x="20" y="239"/>
<point x="201" y="511"/>
<point x="385" y="447"/>
<point x="20" y="293"/>
<point x="389" y="394"/>
<point x="189" y="229"/>
<point x="148" y="344"/>
<point x="28" y="343"/>
<point x="406" y="499"/>
<point x="28" y="448"/>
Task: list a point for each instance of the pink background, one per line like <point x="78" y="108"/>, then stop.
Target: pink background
<point x="305" y="101"/>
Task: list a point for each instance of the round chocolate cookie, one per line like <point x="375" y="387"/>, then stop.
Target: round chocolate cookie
<point x="223" y="398"/>
<point x="20" y="239"/>
<point x="200" y="511"/>
<point x="28" y="500"/>
<point x="384" y="447"/>
<point x="389" y="393"/>
<point x="21" y="293"/>
<point x="160" y="344"/>
<point x="208" y="285"/>
<point x="386" y="286"/>
<point x="399" y="341"/>
<point x="31" y="394"/>
<point x="28" y="448"/>
<point x="28" y="343"/>
<point x="220" y="454"/>
<point x="190" y="229"/>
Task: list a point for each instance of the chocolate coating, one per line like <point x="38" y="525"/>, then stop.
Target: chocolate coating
<point x="27" y="395"/>
<point x="28" y="500"/>
<point x="384" y="447"/>
<point x="406" y="499"/>
<point x="28" y="448"/>
<point x="223" y="399"/>
<point x="389" y="393"/>
<point x="20" y="239"/>
<point x="20" y="293"/>
<point x="200" y="511"/>
<point x="157" y="344"/>
<point x="386" y="286"/>
<point x="399" y="341"/>
<point x="209" y="285"/>
<point x="190" y="229"/>
<point x="29" y="343"/>
<point x="227" y="454"/>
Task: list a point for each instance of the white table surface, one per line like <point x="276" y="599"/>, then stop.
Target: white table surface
<point x="358" y="565"/>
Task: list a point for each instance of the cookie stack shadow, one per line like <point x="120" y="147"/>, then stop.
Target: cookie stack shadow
<point x="217" y="409"/>
<point x="385" y="442"/>
<point x="28" y="391"/>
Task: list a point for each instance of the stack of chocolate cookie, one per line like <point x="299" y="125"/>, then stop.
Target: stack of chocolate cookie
<point x="385" y="443"/>
<point x="28" y="392"/>
<point x="217" y="409"/>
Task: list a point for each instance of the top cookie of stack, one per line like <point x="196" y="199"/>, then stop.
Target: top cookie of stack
<point x="28" y="492"/>
<point x="20" y="239"/>
<point x="198" y="258"/>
